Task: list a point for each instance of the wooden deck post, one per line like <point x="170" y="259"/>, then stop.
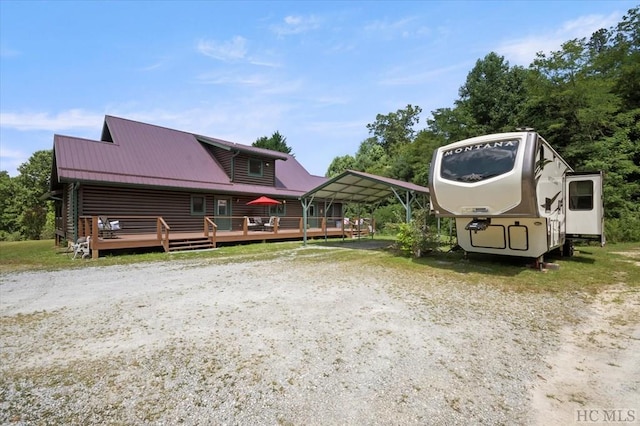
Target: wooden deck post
<point x="210" y="225"/>
<point x="94" y="244"/>
<point x="160" y="224"/>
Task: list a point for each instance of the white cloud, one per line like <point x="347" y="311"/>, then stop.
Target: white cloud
<point x="6" y="52"/>
<point x="234" y="50"/>
<point x="66" y="120"/>
<point x="11" y="159"/>
<point x="296" y="25"/>
<point x="152" y="67"/>
<point x="522" y="51"/>
<point x="403" y="28"/>
<point x="408" y="76"/>
<point x="228" y="51"/>
<point x="232" y="78"/>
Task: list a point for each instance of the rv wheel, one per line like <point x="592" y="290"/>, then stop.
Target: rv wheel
<point x="567" y="249"/>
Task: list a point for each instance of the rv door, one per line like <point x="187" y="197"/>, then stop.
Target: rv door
<point x="584" y="206"/>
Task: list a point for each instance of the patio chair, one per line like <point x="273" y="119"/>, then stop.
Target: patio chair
<point x="81" y="247"/>
<point x="252" y="223"/>
<point x="274" y="221"/>
<point x="258" y="221"/>
<point x="107" y="228"/>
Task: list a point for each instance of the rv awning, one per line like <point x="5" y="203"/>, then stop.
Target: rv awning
<point x="359" y="187"/>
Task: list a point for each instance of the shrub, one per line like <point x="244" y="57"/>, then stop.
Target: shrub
<point x="11" y="236"/>
<point x="415" y="239"/>
<point x="623" y="229"/>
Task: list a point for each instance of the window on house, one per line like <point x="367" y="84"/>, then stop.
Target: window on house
<point x="198" y="204"/>
<point x="255" y="167"/>
<point x="278" y="210"/>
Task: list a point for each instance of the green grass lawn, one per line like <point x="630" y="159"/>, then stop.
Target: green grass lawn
<point x="592" y="268"/>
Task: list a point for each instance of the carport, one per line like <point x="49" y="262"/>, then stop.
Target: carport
<point x="363" y="188"/>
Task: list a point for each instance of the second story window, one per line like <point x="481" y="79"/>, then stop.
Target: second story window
<point x="255" y="167"/>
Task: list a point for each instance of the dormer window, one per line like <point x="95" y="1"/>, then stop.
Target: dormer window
<point x="255" y="167"/>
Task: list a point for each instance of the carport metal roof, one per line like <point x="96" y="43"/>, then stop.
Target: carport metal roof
<point x="358" y="187"/>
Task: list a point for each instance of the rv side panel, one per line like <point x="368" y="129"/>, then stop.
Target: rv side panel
<point x="584" y="206"/>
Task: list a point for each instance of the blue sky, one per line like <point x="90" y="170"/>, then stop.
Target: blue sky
<point x="317" y="72"/>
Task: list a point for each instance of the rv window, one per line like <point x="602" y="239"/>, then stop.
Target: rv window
<point x="581" y="195"/>
<point x="474" y="163"/>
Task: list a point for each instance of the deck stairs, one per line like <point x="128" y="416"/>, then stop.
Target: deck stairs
<point x="198" y="243"/>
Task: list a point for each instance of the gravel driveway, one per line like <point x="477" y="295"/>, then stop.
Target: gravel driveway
<point x="301" y="340"/>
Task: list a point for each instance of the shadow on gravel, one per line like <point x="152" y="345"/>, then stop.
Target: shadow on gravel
<point x="475" y="263"/>
<point x="496" y="265"/>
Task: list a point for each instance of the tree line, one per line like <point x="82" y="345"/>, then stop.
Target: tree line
<point x="584" y="99"/>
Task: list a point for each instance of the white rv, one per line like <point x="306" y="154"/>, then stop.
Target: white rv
<point x="512" y="194"/>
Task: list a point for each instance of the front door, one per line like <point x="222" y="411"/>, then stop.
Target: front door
<point x="223" y="214"/>
<point x="584" y="206"/>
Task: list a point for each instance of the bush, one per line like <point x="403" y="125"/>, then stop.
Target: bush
<point x="415" y="239"/>
<point x="11" y="236"/>
<point x="623" y="229"/>
<point x="49" y="230"/>
<point x="387" y="217"/>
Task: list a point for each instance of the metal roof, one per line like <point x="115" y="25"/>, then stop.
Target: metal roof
<point x="135" y="153"/>
<point x="359" y="187"/>
<point x="231" y="146"/>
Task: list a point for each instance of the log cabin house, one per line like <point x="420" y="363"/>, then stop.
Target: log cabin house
<point x="178" y="190"/>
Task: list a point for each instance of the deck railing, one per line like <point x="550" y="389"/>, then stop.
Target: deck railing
<point x="161" y="226"/>
<point x="210" y="226"/>
<point x="137" y="225"/>
<point x="155" y="231"/>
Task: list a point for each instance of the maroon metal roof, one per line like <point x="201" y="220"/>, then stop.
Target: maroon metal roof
<point x="145" y="154"/>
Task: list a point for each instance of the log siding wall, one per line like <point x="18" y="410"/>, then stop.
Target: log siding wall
<point x="173" y="206"/>
<point x="223" y="157"/>
<point x="236" y="166"/>
<point x="241" y="170"/>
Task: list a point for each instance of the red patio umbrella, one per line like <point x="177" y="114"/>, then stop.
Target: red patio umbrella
<point x="263" y="201"/>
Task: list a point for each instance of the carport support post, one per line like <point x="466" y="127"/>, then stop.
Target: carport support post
<point x="406" y="203"/>
<point x="305" y="206"/>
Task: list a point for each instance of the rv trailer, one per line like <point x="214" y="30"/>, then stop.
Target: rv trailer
<point x="512" y="194"/>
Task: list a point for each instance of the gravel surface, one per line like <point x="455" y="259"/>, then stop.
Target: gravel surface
<point x="301" y="340"/>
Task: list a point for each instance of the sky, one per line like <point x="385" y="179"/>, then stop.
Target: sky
<point x="316" y="72"/>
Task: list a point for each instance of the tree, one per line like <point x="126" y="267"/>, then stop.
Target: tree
<point x="9" y="206"/>
<point x="451" y="124"/>
<point x="33" y="183"/>
<point x="276" y="142"/>
<point x="339" y="165"/>
<point x="395" y="128"/>
<point x="492" y="95"/>
<point x="371" y="158"/>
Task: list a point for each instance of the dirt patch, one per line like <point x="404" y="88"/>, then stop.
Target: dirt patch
<point x="302" y="339"/>
<point x="597" y="367"/>
<point x="634" y="255"/>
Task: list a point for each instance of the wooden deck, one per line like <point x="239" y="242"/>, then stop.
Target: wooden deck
<point x="209" y="237"/>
